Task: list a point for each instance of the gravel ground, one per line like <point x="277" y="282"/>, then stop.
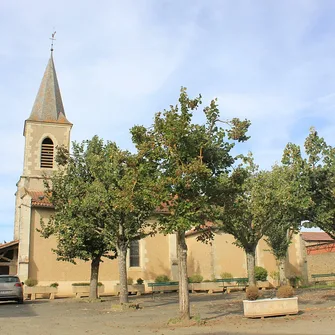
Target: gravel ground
<point x="213" y="314"/>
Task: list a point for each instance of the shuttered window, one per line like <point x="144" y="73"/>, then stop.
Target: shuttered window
<point x="134" y="254"/>
<point x="47" y="154"/>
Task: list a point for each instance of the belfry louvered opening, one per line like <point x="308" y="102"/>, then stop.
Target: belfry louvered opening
<point x="134" y="253"/>
<point x="47" y="154"/>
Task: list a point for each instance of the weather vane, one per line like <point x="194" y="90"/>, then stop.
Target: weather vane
<point x="52" y="41"/>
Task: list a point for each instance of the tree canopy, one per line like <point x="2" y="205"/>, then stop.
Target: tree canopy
<point x="77" y="191"/>
<point x="102" y="201"/>
<point x="317" y="167"/>
<point x="190" y="157"/>
<point x="244" y="212"/>
<point x="291" y="200"/>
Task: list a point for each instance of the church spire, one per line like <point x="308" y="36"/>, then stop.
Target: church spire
<point x="48" y="106"/>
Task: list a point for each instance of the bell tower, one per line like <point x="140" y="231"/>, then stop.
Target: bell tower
<point x="46" y="128"/>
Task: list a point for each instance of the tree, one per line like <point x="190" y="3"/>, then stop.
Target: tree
<point x="102" y="200"/>
<point x="244" y="213"/>
<point x="190" y="157"/>
<point x="318" y="169"/>
<point x="77" y="192"/>
<point x="290" y="203"/>
<point x="132" y="199"/>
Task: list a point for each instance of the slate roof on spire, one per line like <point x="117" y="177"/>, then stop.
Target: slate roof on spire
<point x="48" y="106"/>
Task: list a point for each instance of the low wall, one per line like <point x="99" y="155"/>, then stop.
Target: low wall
<point x="320" y="263"/>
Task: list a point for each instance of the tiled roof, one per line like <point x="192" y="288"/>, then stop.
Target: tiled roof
<point x="204" y="227"/>
<point x="162" y="209"/>
<point x="8" y="244"/>
<point x="38" y="199"/>
<point x="48" y="104"/>
<point x="315" y="236"/>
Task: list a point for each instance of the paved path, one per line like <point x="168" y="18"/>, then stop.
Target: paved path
<point x="214" y="314"/>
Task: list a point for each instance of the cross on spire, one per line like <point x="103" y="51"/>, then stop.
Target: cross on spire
<point x="52" y="41"/>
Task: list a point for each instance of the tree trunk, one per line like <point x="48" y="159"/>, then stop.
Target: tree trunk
<point x="122" y="259"/>
<point x="282" y="275"/>
<point x="184" y="302"/>
<point x="94" y="277"/>
<point x="251" y="267"/>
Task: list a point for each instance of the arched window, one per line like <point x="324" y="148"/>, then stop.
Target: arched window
<point x="47" y="154"/>
<point x="134" y="254"/>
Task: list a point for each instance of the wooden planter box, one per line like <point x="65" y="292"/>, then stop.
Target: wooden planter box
<point x="270" y="307"/>
<point x="137" y="289"/>
<point x="84" y="291"/>
<point x="42" y="290"/>
<point x="263" y="284"/>
<point x="209" y="287"/>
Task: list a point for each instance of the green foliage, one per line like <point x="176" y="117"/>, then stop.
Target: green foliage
<point x="252" y="293"/>
<point x="103" y="197"/>
<point x="191" y="156"/>
<point x="139" y="281"/>
<point x="130" y="281"/>
<point x="54" y="285"/>
<point x="274" y="275"/>
<point x="242" y="213"/>
<point x="198" y="320"/>
<point x="285" y="291"/>
<point x="162" y="279"/>
<point x="96" y="189"/>
<point x="261" y="274"/>
<point x="78" y="192"/>
<point x="195" y="278"/>
<point x="294" y="280"/>
<point x="226" y="275"/>
<point x="30" y="282"/>
<point x="290" y="201"/>
<point x="317" y="176"/>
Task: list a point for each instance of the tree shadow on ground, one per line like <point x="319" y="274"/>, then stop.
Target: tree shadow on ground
<point x="219" y="313"/>
<point x="13" y="309"/>
<point x="310" y="302"/>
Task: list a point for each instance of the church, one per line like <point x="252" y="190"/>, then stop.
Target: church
<point x="30" y="256"/>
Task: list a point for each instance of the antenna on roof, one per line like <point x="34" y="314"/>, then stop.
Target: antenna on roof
<point x="52" y="42"/>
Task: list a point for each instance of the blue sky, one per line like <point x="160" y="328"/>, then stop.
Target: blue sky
<point x="120" y="61"/>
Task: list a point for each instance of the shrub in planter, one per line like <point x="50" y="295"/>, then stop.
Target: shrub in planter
<point x="139" y="281"/>
<point x="54" y="285"/>
<point x="162" y="279"/>
<point x="261" y="274"/>
<point x="207" y="281"/>
<point x="252" y="293"/>
<point x="285" y="291"/>
<point x="226" y="275"/>
<point x="294" y="281"/>
<point x="130" y="281"/>
<point x="195" y="278"/>
<point x="31" y="282"/>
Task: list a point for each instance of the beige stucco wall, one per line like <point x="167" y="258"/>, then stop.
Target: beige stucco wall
<point x="210" y="260"/>
<point x="321" y="263"/>
<point x="43" y="265"/>
<point x="223" y="256"/>
<point x="296" y="264"/>
<point x="265" y="259"/>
